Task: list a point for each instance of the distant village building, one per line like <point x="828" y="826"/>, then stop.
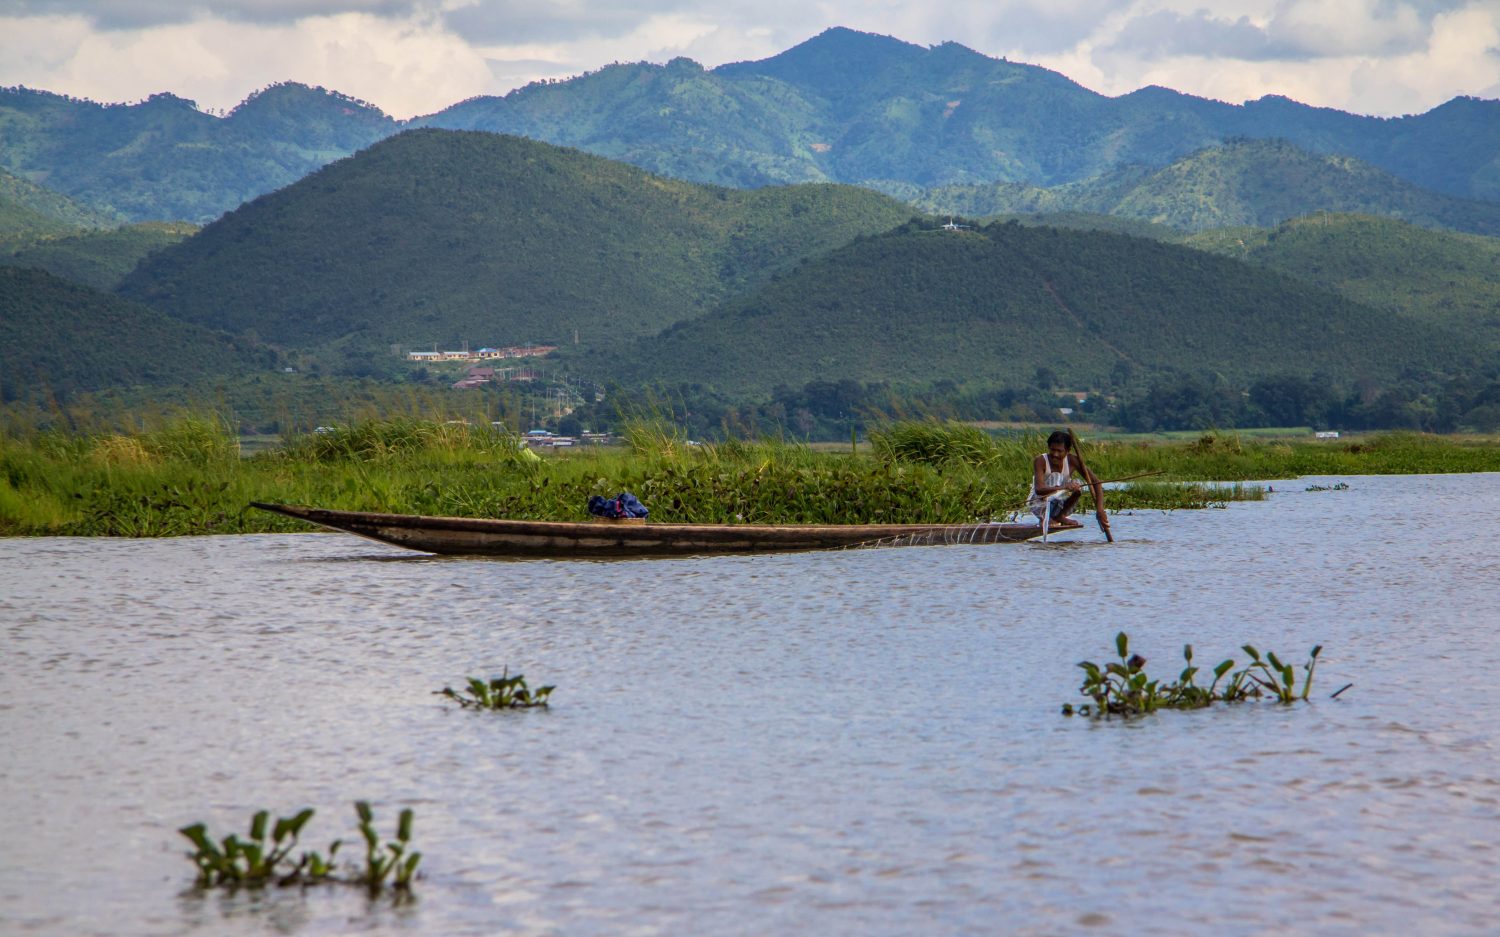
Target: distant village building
<point x="483" y="354"/>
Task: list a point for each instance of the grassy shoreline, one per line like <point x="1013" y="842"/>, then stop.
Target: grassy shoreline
<point x="189" y="477"/>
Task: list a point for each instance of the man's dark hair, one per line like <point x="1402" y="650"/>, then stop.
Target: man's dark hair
<point x="1060" y="436"/>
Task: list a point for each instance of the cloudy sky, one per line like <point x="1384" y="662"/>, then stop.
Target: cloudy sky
<point x="410" y="57"/>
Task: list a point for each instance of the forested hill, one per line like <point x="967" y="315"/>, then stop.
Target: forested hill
<point x="96" y="259"/>
<point x="163" y="159"/>
<point x="442" y="237"/>
<point x="28" y="210"/>
<point x="847" y="106"/>
<point x="58" y="338"/>
<point x="997" y="304"/>
<point x="843" y="106"/>
<point x="1257" y="183"/>
<point x="1434" y="278"/>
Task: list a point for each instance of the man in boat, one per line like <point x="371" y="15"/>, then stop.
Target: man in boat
<point x="1054" y="492"/>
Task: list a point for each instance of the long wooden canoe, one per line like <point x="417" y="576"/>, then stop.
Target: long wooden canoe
<point x="489" y="537"/>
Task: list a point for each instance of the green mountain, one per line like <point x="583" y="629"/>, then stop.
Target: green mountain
<point x="843" y="106"/>
<point x="920" y="305"/>
<point x="447" y="237"/>
<point x="1245" y="182"/>
<point x="28" y="210"/>
<point x="851" y="107"/>
<point x="163" y="159"/>
<point x="58" y="338"/>
<point x="1431" y="278"/>
<point x="97" y="259"/>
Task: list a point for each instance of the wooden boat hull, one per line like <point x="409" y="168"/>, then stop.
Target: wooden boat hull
<point x="476" y="536"/>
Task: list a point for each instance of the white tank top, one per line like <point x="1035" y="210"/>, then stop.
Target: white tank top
<point x="1052" y="479"/>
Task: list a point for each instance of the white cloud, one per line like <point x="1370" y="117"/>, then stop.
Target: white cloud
<point x="1348" y="27"/>
<point x="142" y="14"/>
<point x="1365" y="56"/>
<point x="406" y="67"/>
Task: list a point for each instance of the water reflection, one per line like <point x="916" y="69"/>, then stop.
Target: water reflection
<point x="862" y="741"/>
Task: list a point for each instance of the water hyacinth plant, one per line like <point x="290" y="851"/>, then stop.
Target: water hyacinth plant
<point x="1123" y="688"/>
<point x="502" y="692"/>
<point x="252" y="862"/>
<point x="392" y="861"/>
<point x="255" y="863"/>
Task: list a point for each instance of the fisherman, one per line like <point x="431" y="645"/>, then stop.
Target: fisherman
<point x="1054" y="491"/>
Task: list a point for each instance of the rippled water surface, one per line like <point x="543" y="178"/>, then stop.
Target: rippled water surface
<point x="863" y="742"/>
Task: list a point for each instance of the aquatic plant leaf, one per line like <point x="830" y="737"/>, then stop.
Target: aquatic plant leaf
<point x="1254" y="654"/>
<point x="409" y="868"/>
<point x="198" y="835"/>
<point x="1223" y="668"/>
<point x="362" y="808"/>
<point x="403" y="827"/>
<point x="291" y="826"/>
<point x="253" y="856"/>
<point x="258" y="824"/>
<point x="1122" y="644"/>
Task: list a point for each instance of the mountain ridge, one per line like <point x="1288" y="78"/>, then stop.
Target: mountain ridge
<point x="842" y="106"/>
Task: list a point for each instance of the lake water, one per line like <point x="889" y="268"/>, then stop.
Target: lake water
<point x="861" y="742"/>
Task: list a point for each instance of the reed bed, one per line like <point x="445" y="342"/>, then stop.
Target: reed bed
<point x="188" y="477"/>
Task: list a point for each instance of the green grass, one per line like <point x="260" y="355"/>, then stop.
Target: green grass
<point x="188" y="477"/>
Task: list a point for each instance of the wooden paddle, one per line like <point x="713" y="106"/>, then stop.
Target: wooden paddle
<point x="1095" y="485"/>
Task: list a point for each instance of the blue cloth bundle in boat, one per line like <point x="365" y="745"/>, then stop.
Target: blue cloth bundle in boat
<point x="624" y="504"/>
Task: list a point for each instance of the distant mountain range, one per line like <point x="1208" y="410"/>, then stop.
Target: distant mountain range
<point x="843" y="107"/>
<point x="164" y="160"/>
<point x="851" y="107"/>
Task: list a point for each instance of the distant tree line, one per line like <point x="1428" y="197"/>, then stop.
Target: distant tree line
<point x="1416" y="401"/>
<point x="831" y="410"/>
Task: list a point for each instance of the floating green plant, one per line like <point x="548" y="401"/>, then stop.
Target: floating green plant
<point x="502" y="692"/>
<point x="1123" y="688"/>
<point x="1338" y="486"/>
<point x="392" y="861"/>
<point x="254" y="863"/>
